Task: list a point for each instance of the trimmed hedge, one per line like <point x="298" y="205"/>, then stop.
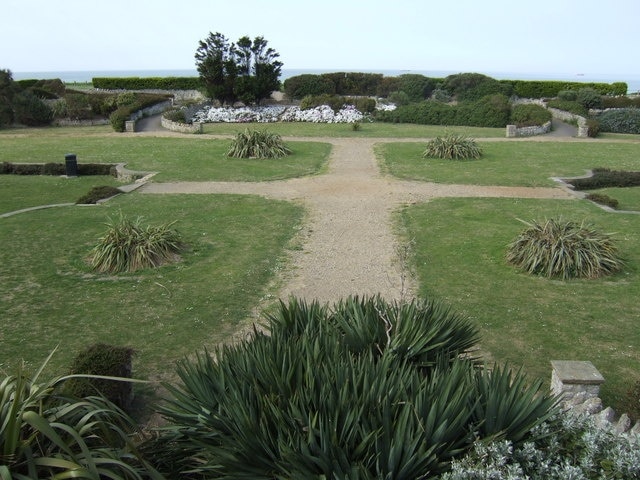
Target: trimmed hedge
<point x="551" y="88"/>
<point x="147" y="83"/>
<point x="490" y="111"/>
<point x="605" y="178"/>
<point x="84" y="169"/>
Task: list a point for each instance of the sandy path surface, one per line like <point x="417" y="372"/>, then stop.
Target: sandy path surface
<point x="348" y="246"/>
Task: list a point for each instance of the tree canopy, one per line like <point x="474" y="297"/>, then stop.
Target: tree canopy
<point x="247" y="70"/>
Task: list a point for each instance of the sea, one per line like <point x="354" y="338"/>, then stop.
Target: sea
<point x="70" y="77"/>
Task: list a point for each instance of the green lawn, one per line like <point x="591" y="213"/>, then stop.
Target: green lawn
<point x="50" y="297"/>
<point x="522" y="163"/>
<point x="24" y="191"/>
<point x="525" y="320"/>
<point x="188" y="158"/>
<point x="367" y="129"/>
<point x="628" y="198"/>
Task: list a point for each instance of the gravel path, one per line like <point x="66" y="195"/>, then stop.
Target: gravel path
<point x="348" y="246"/>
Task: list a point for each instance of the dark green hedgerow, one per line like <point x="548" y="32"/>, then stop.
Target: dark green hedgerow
<point x="606" y="178"/>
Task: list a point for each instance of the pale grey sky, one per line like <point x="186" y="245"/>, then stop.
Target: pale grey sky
<point x="532" y="36"/>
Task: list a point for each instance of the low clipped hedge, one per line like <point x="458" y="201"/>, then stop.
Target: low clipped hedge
<point x="606" y="178"/>
<point x="551" y="88"/>
<point x="147" y="83"/>
<point x="84" y="169"/>
<point x="490" y="111"/>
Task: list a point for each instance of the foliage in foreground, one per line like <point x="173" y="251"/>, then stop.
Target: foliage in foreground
<point x="46" y="435"/>
<point x="580" y="449"/>
<point x="564" y="249"/>
<point x="127" y="246"/>
<point x="257" y="144"/>
<point x="453" y="147"/>
<point x="365" y="389"/>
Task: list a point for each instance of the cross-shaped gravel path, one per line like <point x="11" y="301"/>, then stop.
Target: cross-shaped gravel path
<point x="348" y="246"/>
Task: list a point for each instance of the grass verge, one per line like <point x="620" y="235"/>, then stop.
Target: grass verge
<point x="50" y="297"/>
<point x="529" y="164"/>
<point x="459" y="252"/>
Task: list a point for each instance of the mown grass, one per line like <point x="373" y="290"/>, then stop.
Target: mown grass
<point x="520" y="163"/>
<point x="628" y="198"/>
<point x="459" y="253"/>
<point x="50" y="297"/>
<point x="367" y="130"/>
<point x="187" y="158"/>
<point x="20" y="191"/>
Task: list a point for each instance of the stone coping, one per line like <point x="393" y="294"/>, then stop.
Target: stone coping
<point x="577" y="372"/>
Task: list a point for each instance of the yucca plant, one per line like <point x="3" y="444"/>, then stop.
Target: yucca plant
<point x="128" y="246"/>
<point x="563" y="249"/>
<point x="257" y="144"/>
<point x="453" y="147"/>
<point x="46" y="435"/>
<point x="390" y="395"/>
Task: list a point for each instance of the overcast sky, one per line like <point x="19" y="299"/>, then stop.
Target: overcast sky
<point x="532" y="36"/>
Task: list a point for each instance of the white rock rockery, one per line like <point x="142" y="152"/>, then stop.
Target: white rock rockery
<point x="321" y="114"/>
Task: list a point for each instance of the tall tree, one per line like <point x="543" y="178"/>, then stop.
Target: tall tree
<point x="7" y="91"/>
<point x="247" y="70"/>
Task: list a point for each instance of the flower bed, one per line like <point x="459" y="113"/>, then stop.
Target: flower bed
<point x="321" y="114"/>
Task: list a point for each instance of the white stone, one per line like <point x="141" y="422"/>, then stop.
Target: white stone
<point x="624" y="423"/>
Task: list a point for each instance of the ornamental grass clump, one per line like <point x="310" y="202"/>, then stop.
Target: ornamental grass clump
<point x="128" y="246"/>
<point x="453" y="147"/>
<point x="564" y="249"/>
<point x="257" y="144"/>
<point x="362" y="389"/>
<point x="46" y="434"/>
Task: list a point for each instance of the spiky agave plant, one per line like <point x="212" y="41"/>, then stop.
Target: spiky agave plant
<point x="453" y="147"/>
<point x="365" y="389"/>
<point x="257" y="144"/>
<point x="128" y="246"/>
<point x="563" y="249"/>
<point x="46" y="435"/>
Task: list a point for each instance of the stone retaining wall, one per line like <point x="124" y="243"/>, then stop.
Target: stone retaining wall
<point x="578" y="386"/>
<point x="513" y="131"/>
<point x="583" y="130"/>
<point x="181" y="127"/>
<point x="130" y="125"/>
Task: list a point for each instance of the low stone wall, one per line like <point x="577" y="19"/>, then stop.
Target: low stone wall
<point x="130" y="125"/>
<point x="583" y="130"/>
<point x="578" y="386"/>
<point x="513" y="131"/>
<point x="181" y="127"/>
<point x="178" y="95"/>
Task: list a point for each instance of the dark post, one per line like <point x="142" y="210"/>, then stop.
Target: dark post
<point x="71" y="165"/>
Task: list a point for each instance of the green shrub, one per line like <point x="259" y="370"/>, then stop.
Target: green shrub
<point x="474" y="86"/>
<point x="79" y="106"/>
<point x="624" y="120"/>
<point x="363" y="389"/>
<point x="175" y="115"/>
<point x="620" y="102"/>
<point x="98" y="193"/>
<point x="551" y="88"/>
<point x="30" y="110"/>
<point x="527" y="115"/>
<point x="564" y="249"/>
<point x="54" y="169"/>
<point x="568" y="106"/>
<point x="606" y="178"/>
<point x="44" y="434"/>
<point x="589" y="98"/>
<point x="257" y="144"/>
<point x="362" y="104"/>
<point x="301" y="86"/>
<point x="593" y="127"/>
<point x="490" y="111"/>
<point x="603" y="199"/>
<point x="417" y="87"/>
<point x="336" y="102"/>
<point x="119" y="118"/>
<point x="399" y="98"/>
<point x="127" y="246"/>
<point x="631" y="402"/>
<point x="106" y="361"/>
<point x="568" y="95"/>
<point x="125" y="99"/>
<point x="452" y="146"/>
